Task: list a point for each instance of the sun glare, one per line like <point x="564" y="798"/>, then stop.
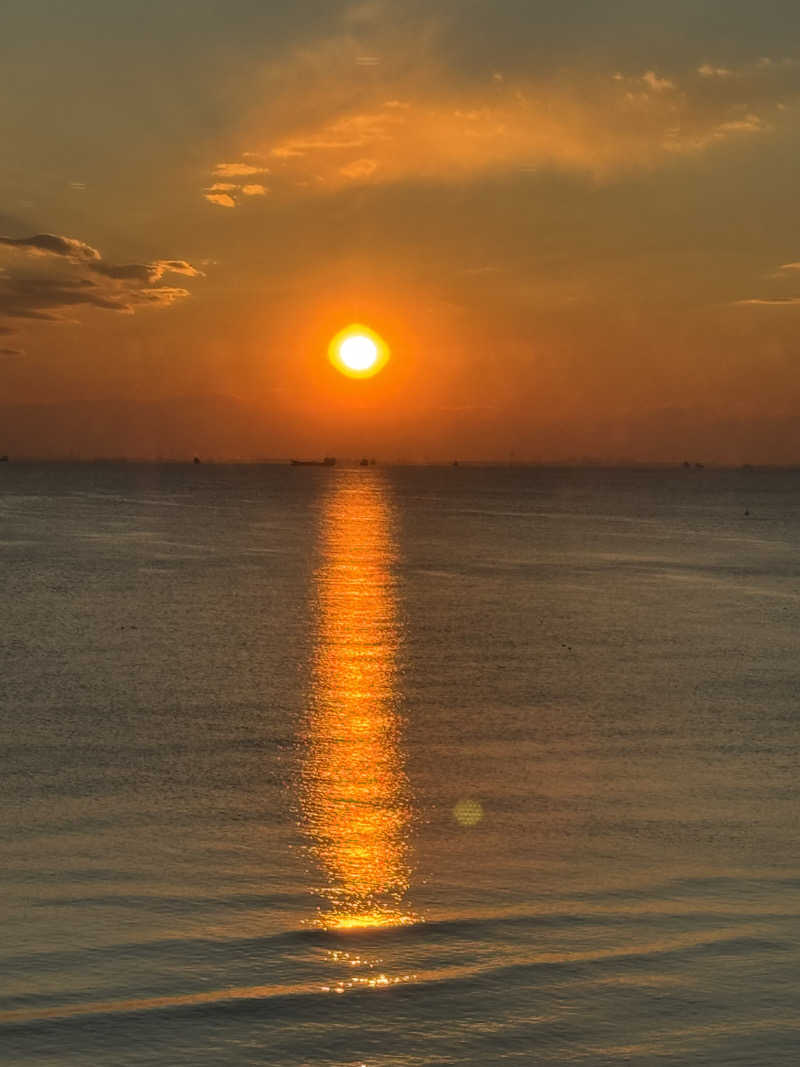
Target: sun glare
<point x="358" y="351"/>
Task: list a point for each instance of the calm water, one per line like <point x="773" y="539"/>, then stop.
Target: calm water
<point x="399" y="767"/>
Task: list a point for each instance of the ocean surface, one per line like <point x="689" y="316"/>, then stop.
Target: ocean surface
<point x="399" y="767"/>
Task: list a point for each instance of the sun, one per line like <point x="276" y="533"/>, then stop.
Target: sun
<point x="358" y="351"/>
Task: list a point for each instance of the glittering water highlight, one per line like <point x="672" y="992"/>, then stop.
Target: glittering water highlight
<point x="355" y="795"/>
<point x="254" y="719"/>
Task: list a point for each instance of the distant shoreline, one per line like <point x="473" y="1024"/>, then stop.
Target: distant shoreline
<point x="462" y="464"/>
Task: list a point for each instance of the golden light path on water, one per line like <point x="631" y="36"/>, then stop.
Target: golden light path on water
<point x="355" y="799"/>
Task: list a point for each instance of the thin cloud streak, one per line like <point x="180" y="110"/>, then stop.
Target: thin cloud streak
<point x="238" y="170"/>
<point x="766" y="301"/>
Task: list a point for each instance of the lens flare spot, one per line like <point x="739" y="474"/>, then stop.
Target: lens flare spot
<point x="468" y="812"/>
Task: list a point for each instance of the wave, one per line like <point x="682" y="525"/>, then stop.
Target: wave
<point x="642" y="963"/>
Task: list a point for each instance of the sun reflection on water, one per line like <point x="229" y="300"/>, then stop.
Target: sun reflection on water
<point x="355" y="800"/>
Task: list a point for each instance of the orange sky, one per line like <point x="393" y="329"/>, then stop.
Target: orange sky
<point x="575" y="229"/>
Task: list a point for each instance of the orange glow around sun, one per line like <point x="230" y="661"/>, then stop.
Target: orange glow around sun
<point x="358" y="351"/>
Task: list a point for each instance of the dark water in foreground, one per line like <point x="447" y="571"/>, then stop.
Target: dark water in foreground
<point x="399" y="767"/>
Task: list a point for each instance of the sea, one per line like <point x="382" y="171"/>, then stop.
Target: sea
<point x="399" y="766"/>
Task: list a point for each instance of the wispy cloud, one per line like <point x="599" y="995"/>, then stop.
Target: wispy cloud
<point x="773" y="301"/>
<point x="353" y="131"/>
<point x="513" y="129"/>
<point x="417" y="126"/>
<point x="238" y="170"/>
<point x="359" y="169"/>
<point x="709" y="71"/>
<point x="764" y="75"/>
<point x="227" y="193"/>
<point x="658" y="85"/>
<point x="415" y="118"/>
<point x="746" y="124"/>
<point x="784" y="273"/>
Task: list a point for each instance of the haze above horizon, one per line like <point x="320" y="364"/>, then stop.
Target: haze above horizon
<point x="575" y="231"/>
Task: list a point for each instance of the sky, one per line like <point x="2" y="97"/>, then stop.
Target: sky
<point x="574" y="224"/>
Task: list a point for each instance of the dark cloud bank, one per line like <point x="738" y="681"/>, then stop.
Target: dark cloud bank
<point x="53" y="275"/>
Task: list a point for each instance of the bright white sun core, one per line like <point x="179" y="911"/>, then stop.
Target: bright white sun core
<point x="358" y="352"/>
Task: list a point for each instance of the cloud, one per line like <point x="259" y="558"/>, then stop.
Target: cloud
<point x="784" y="271"/>
<point x="74" y="275"/>
<point x="49" y="244"/>
<point x="769" y="63"/>
<point x="708" y="71"/>
<point x="47" y="298"/>
<point x="11" y="353"/>
<point x="600" y="128"/>
<point x="353" y="131"/>
<point x="286" y="151"/>
<point x="722" y="131"/>
<point x="764" y="71"/>
<point x="238" y="170"/>
<point x="419" y="123"/>
<point x="748" y="124"/>
<point x="226" y="194"/>
<point x="433" y="117"/>
<point x="774" y="301"/>
<point x="220" y="199"/>
<point x="174" y="266"/>
<point x="147" y="273"/>
<point x="658" y="85"/>
<point x="359" y="169"/>
<point x="161" y="297"/>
